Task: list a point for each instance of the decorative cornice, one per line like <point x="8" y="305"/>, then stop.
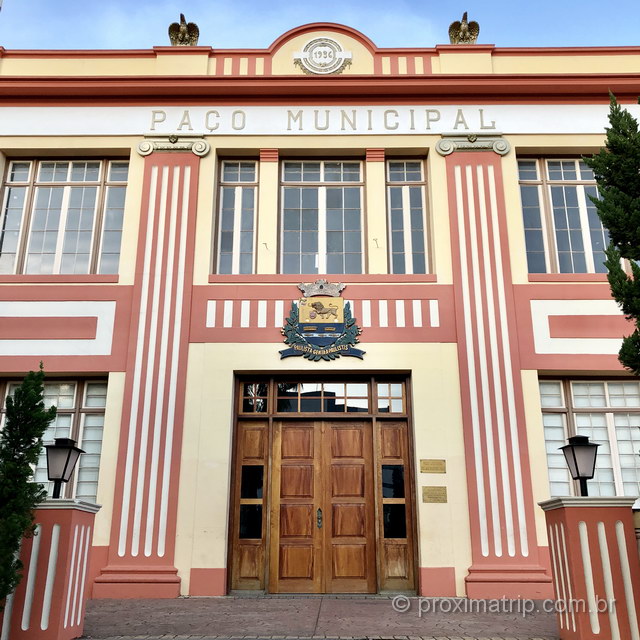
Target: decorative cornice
<point x="586" y="501"/>
<point x="196" y="144"/>
<point x="473" y="142"/>
<point x="61" y="503"/>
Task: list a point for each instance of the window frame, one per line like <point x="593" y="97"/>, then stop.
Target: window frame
<point x="239" y="185"/>
<point x="406" y="184"/>
<point x="322" y="186"/>
<point x="569" y="413"/>
<point x="32" y="184"/>
<point x="78" y="414"/>
<point x="544" y="185"/>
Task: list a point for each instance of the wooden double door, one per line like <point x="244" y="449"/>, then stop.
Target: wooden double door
<point x="322" y="506"/>
<point x="322" y="509"/>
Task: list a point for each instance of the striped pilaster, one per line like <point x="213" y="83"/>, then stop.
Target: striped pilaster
<point x="143" y="531"/>
<point x="504" y="546"/>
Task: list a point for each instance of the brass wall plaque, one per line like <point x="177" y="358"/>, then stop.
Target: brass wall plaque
<point x="433" y="466"/>
<point x="434" y="494"/>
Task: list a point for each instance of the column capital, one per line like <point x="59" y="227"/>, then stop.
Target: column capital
<point x="196" y="144"/>
<point x="473" y="142"/>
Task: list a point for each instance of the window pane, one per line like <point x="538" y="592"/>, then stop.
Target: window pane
<point x="250" y="521"/>
<point x="393" y="481"/>
<point x="251" y="481"/>
<point x="394" y="521"/>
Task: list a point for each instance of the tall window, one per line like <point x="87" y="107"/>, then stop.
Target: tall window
<point x="236" y="225"/>
<point x="405" y="202"/>
<point x="563" y="233"/>
<point x="80" y="415"/>
<point x="322" y="217"/>
<point x="608" y="412"/>
<point x="62" y="216"/>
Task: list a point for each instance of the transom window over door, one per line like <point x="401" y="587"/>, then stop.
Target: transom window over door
<point x="62" y="216"/>
<point x="321" y="217"/>
<point x="405" y="203"/>
<point x="563" y="233"/>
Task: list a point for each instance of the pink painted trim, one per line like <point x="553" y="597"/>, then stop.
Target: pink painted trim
<point x="42" y="328"/>
<point x="375" y="155"/>
<point x="567" y="277"/>
<point x="57" y="278"/>
<point x="438" y="582"/>
<point x="346" y="279"/>
<point x="182" y="51"/>
<point x="589" y="326"/>
<point x="208" y="582"/>
<point x="269" y="155"/>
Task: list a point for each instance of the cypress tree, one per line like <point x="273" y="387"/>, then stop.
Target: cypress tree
<point x="617" y="172"/>
<point x="20" y="444"/>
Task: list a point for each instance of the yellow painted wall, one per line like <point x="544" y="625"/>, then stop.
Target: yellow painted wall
<point x="203" y="504"/>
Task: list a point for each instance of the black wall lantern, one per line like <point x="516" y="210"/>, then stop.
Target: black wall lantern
<point x="580" y="455"/>
<point x="61" y="460"/>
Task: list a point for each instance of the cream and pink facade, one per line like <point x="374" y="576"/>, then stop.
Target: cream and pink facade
<point x="443" y="186"/>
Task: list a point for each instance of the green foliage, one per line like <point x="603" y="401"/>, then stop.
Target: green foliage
<point x="20" y="445"/>
<point x="617" y="172"/>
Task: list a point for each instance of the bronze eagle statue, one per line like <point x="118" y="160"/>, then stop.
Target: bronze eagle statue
<point x="463" y="32"/>
<point x="182" y="34"/>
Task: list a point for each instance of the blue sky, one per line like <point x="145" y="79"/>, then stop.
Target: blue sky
<point x="140" y="24"/>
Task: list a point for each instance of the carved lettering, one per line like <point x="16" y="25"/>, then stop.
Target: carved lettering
<point x="157" y="116"/>
<point x="387" y="113"/>
<point x="316" y="120"/>
<point x="482" y="124"/>
<point x="238" y="120"/>
<point x="460" y="120"/>
<point x="186" y="121"/>
<point x="211" y="126"/>
<point x="433" y="115"/>
<point x="345" y="119"/>
<point x="292" y="118"/>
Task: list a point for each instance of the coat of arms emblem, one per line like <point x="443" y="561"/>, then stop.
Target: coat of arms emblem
<point x="320" y="325"/>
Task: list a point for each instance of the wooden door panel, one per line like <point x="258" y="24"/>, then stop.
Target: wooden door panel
<point x="350" y="561"/>
<point x="349" y="520"/>
<point x="296" y="562"/>
<point x="297" y="443"/>
<point x="296" y="521"/>
<point x="348" y="481"/>
<point x="295" y="556"/>
<point x="349" y="509"/>
<point x="296" y="481"/>
<point x="347" y="443"/>
<point x="396" y="547"/>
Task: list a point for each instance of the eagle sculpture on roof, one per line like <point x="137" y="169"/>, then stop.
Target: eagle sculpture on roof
<point x="463" y="32"/>
<point x="182" y="34"/>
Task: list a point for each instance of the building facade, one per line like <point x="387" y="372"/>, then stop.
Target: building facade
<point x="160" y="209"/>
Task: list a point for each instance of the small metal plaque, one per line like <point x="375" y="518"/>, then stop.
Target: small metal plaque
<point x="433" y="466"/>
<point x="434" y="494"/>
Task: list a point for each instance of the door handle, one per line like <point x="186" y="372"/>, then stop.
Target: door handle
<point x="319" y="518"/>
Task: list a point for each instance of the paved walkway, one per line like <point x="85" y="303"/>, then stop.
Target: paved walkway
<point x="315" y="617"/>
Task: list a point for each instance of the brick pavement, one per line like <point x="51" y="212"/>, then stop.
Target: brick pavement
<point x="308" y="617"/>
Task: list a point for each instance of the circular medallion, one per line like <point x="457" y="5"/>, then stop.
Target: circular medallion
<point x="323" y="56"/>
